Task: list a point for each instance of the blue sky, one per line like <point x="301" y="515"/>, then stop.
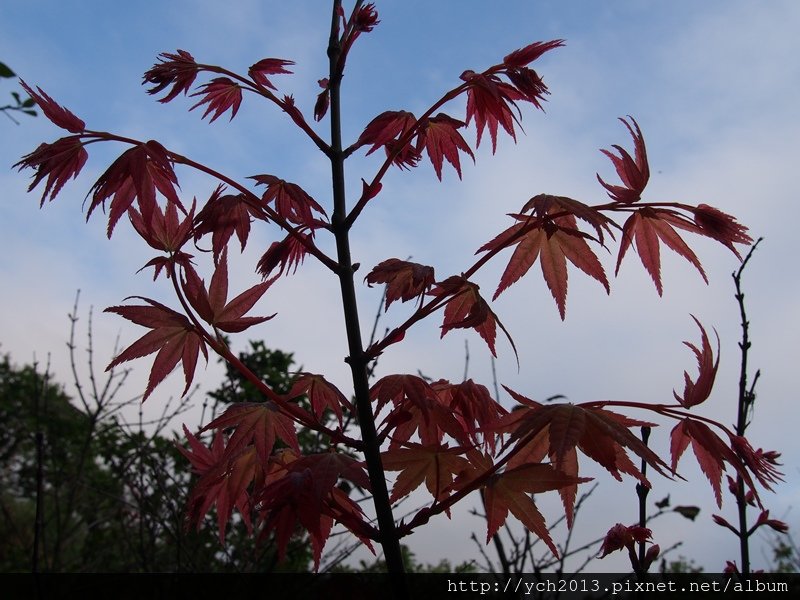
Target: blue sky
<point x="715" y="87"/>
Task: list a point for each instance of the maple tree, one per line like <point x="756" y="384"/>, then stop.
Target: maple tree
<point x="453" y="437"/>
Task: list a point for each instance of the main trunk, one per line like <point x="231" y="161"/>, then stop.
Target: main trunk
<point x="356" y="359"/>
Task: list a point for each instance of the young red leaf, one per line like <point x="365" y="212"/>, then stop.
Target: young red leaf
<point x="178" y="70"/>
<point x="436" y="465"/>
<point x="646" y="227"/>
<point x="59" y="161"/>
<point x="712" y="454"/>
<point x="304" y="494"/>
<point x="57" y="114"/>
<point x="321" y="393"/>
<point x="386" y="130"/>
<point x="763" y="464"/>
<point x="552" y="241"/>
<point x="172" y="335"/>
<point x="601" y="435"/>
<point x="621" y="536"/>
<point x="698" y="391"/>
<point x="417" y="409"/>
<point x="258" y="424"/>
<point x="531" y="87"/>
<point x="291" y="201"/>
<point x="528" y="54"/>
<point x="365" y="19"/>
<point x="512" y="491"/>
<point x="721" y="227"/>
<point x="490" y="102"/>
<point x="288" y="254"/>
<point x="212" y="305"/>
<point x="547" y="204"/>
<point x="199" y="455"/>
<point x="224" y="483"/>
<point x="136" y="175"/>
<point x="473" y="406"/>
<point x="404" y="280"/>
<point x="323" y="100"/>
<point x="634" y="173"/>
<point x="328" y="467"/>
<point x="164" y="231"/>
<point x="775" y="524"/>
<point x="221" y="94"/>
<point x="467" y="309"/>
<point x="269" y="66"/>
<point x="224" y="215"/>
<point x="439" y="135"/>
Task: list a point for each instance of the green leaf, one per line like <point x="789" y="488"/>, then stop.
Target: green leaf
<point x="5" y="71"/>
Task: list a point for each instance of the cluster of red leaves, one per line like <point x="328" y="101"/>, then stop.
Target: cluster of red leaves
<point x="549" y="233"/>
<point x="173" y="335"/>
<point x="546" y="229"/>
<point x="279" y="490"/>
<point x="558" y="431"/>
<point x="454" y="438"/>
<point x="491" y="103"/>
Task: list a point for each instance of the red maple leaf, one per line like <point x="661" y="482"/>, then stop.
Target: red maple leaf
<point x="288" y="254"/>
<point x="417" y="409"/>
<point x="59" y="161"/>
<point x="291" y="201"/>
<point x="440" y="138"/>
<point x="304" y="494"/>
<point x="178" y="70"/>
<point x="645" y="227"/>
<point x="559" y="429"/>
<point x="165" y="231"/>
<point x="467" y="309"/>
<point x="634" y="172"/>
<point x="268" y="66"/>
<point x="172" y="335"/>
<point x="490" y="102"/>
<point x="551" y="240"/>
<point x="221" y="94"/>
<point x="136" y="175"/>
<point x="258" y="424"/>
<point x="386" y="130"/>
<point x="212" y="305"/>
<point x="712" y="453"/>
<point x="720" y="226"/>
<point x="436" y="465"/>
<point x="698" y="391"/>
<point x="528" y="54"/>
<point x="621" y="536"/>
<point x="511" y="491"/>
<point x="404" y="280"/>
<point x="473" y="406"/>
<point x="224" y="215"/>
<point x="223" y="482"/>
<point x="321" y="393"/>
<point x="57" y="114"/>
